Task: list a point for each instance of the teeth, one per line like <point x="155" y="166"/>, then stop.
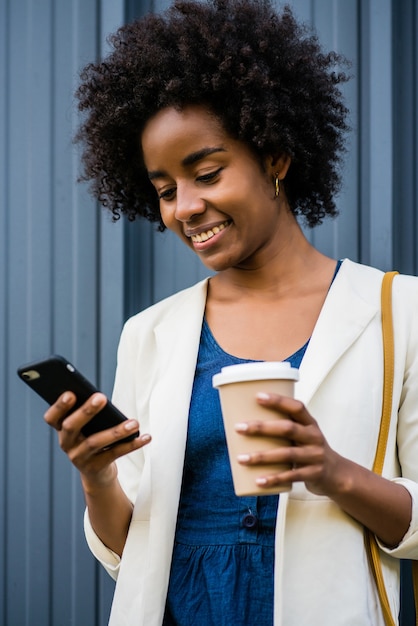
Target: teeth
<point x="209" y="233"/>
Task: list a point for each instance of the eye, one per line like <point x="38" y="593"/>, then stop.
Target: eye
<point x="167" y="194"/>
<point x="210" y="176"/>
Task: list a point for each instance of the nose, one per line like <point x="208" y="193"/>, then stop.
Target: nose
<point x="188" y="203"/>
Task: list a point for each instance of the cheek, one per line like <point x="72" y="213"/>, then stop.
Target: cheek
<point x="168" y="217"/>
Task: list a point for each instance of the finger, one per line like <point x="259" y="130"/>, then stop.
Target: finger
<point x="287" y="430"/>
<point x="281" y="429"/>
<point x="285" y="455"/>
<point x="105" y="439"/>
<point x="295" y="409"/>
<point x="103" y="448"/>
<point x="307" y="474"/>
<point x="276" y="480"/>
<point x="56" y="413"/>
<point x="91" y="461"/>
<point x="70" y="425"/>
<point x="74" y="422"/>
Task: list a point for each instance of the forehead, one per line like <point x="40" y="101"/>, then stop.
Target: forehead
<point x="182" y="130"/>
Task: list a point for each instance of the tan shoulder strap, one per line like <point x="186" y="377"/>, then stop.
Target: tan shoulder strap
<point x="388" y="370"/>
<point x="388" y="373"/>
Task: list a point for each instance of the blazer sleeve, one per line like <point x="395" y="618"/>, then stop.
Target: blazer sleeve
<point x="405" y="315"/>
<point x="131" y="465"/>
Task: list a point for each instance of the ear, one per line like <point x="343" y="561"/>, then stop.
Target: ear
<point x="278" y="165"/>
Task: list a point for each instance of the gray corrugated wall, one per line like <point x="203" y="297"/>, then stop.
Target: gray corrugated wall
<point x="68" y="277"/>
<point x="60" y="291"/>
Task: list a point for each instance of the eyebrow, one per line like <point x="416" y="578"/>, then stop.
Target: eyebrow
<point x="190" y="159"/>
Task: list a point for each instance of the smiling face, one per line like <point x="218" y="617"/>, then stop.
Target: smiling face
<point x="213" y="192"/>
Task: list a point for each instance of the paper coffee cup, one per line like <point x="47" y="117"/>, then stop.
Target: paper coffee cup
<point x="238" y="386"/>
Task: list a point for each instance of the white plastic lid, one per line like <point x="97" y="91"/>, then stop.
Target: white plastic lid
<point x="263" y="370"/>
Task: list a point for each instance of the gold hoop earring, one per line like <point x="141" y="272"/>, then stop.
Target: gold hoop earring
<point x="277" y="184"/>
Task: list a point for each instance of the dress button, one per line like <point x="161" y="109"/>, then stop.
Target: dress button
<point x="249" y="521"/>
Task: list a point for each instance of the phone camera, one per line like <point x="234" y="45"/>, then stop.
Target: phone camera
<point x="30" y="375"/>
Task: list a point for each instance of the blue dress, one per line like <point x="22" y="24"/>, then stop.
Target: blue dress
<point x="223" y="557"/>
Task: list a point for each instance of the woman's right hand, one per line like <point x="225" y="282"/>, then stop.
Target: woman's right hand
<point x="110" y="510"/>
<point x="93" y="456"/>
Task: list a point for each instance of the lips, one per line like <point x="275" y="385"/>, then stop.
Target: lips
<point x="208" y="234"/>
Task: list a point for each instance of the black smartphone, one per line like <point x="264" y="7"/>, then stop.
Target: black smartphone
<point x="52" y="376"/>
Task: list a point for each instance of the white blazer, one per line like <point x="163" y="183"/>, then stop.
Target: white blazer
<point x="321" y="575"/>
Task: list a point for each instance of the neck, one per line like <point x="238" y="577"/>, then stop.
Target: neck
<point x="288" y="265"/>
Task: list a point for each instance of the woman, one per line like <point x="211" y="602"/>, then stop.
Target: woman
<point x="223" y="122"/>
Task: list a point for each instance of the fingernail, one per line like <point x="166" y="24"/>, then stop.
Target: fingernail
<point x="261" y="395"/>
<point x="97" y="400"/>
<point x="145" y="438"/>
<point x="243" y="457"/>
<point x="241" y="427"/>
<point x="131" y="425"/>
<point x="65" y="398"/>
<point x="261" y="481"/>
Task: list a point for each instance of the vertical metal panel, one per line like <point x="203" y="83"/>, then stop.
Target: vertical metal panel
<point x="61" y="290"/>
<point x="75" y="307"/>
<point x="336" y="24"/>
<point x="405" y="148"/>
<point x="4" y="83"/>
<point x="376" y="132"/>
<point x="27" y="507"/>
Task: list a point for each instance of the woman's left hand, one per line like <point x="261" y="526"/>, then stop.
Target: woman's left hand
<point x="381" y="505"/>
<point x="311" y="458"/>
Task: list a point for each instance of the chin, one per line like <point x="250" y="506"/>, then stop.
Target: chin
<point x="217" y="265"/>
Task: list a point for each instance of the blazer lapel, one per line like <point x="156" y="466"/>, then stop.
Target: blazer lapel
<point x="177" y="340"/>
<point x="344" y="316"/>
